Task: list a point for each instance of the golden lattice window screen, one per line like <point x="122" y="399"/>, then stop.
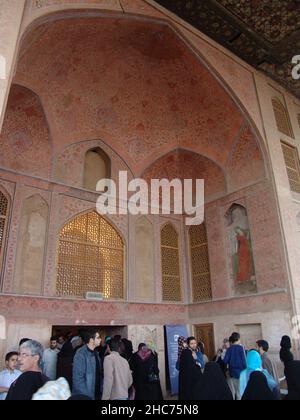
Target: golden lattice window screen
<point x="292" y="165"/>
<point x="171" y="281"/>
<point x="91" y="258"/>
<point x="201" y="281"/>
<point x="282" y="118"/>
<point x="3" y="223"/>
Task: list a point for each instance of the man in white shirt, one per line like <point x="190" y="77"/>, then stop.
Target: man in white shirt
<point x="50" y="360"/>
<point x="117" y="374"/>
<point x="9" y="375"/>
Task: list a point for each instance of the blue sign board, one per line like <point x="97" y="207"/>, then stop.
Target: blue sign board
<point x="173" y="332"/>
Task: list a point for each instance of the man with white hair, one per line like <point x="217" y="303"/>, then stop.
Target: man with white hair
<point x="32" y="379"/>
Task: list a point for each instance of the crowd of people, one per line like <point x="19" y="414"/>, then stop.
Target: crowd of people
<point x="94" y="367"/>
<point x="235" y="373"/>
<point x="88" y="367"/>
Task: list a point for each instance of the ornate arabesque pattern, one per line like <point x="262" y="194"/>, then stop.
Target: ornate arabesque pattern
<point x="274" y="20"/>
<point x="91" y="258"/>
<point x="171" y="280"/>
<point x="291" y="158"/>
<point x="282" y="118"/>
<point x="264" y="33"/>
<point x="25" y="142"/>
<point x="201" y="281"/>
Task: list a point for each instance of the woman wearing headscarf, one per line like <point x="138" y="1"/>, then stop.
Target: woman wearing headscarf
<point x="145" y="372"/>
<point x="286" y="355"/>
<point x="221" y="356"/>
<point x="293" y="380"/>
<point x="258" y="389"/>
<point x="128" y="349"/>
<point x="254" y="364"/>
<point x="65" y="363"/>
<point x="213" y="386"/>
<point x="202" y="357"/>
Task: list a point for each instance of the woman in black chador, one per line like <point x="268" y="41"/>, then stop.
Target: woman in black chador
<point x="144" y="366"/>
<point x="214" y="386"/>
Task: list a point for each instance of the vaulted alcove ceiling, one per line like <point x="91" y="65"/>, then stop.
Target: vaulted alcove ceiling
<point x="264" y="33"/>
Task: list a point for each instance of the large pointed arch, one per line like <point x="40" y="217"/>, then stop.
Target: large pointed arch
<point x="50" y="18"/>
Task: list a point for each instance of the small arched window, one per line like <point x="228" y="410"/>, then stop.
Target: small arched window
<point x="97" y="166"/>
<point x="171" y="279"/>
<point x="282" y="118"/>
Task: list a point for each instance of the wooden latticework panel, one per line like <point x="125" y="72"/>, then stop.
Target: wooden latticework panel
<point x="3" y="223"/>
<point x="292" y="166"/>
<point x="171" y="280"/>
<point x="91" y="258"/>
<point x="282" y="118"/>
<point x="201" y="282"/>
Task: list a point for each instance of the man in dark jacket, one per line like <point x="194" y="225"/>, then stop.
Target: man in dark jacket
<point x="87" y="368"/>
<point x="190" y="373"/>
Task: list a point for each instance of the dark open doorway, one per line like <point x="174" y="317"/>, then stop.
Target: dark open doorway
<point x="105" y="331"/>
<point x="205" y="333"/>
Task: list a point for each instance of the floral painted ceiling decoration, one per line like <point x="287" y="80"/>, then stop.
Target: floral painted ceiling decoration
<point x="264" y="33"/>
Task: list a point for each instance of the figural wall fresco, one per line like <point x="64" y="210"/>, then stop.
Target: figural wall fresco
<point x="241" y="253"/>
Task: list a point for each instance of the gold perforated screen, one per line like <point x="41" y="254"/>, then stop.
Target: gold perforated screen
<point x="91" y="258"/>
<point x="201" y="282"/>
<point x="292" y="166"/>
<point x="282" y="118"/>
<point x="171" y="281"/>
<point x="3" y="223"/>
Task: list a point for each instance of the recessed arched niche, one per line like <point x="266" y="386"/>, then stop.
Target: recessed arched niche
<point x="31" y="246"/>
<point x="144" y="260"/>
<point x="241" y="264"/>
<point x="97" y="166"/>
